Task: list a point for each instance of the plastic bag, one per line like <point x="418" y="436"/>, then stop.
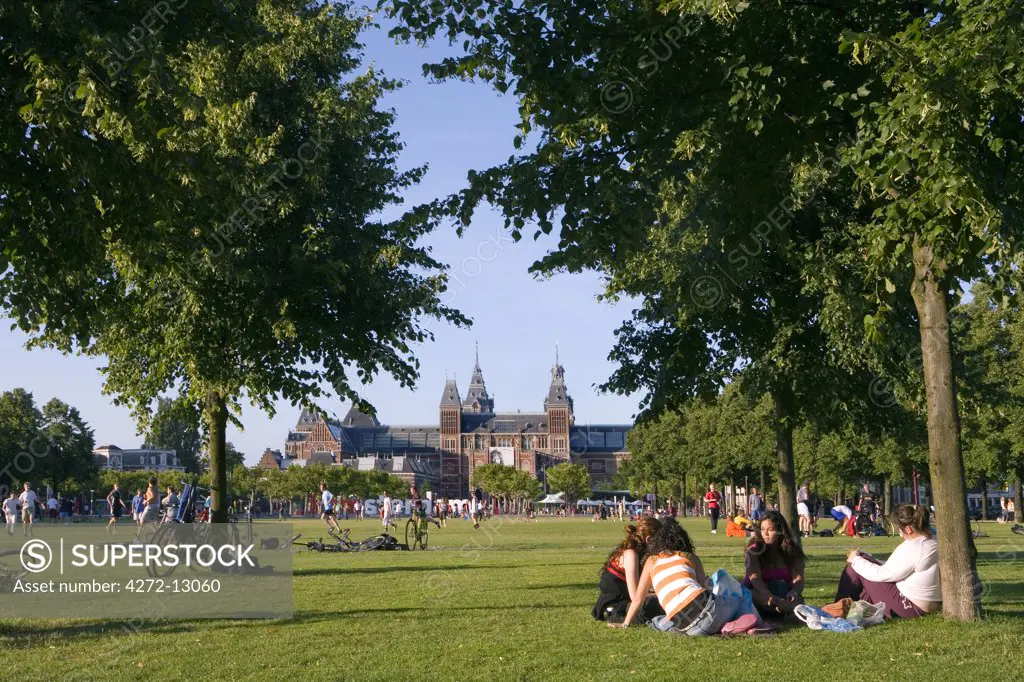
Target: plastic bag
<point x="724" y="585"/>
<point x="816" y="619"/>
<point x="864" y="613"/>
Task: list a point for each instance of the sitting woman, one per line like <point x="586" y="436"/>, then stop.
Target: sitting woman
<point x="775" y="567"/>
<point x="621" y="574"/>
<point x="908" y="583"/>
<point x="678" y="579"/>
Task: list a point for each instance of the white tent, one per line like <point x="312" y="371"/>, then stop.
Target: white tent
<point x="558" y="498"/>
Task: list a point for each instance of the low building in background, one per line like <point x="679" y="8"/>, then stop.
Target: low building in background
<point x="137" y="459"/>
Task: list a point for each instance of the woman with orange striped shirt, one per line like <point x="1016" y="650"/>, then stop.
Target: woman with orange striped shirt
<point x="677" y="576"/>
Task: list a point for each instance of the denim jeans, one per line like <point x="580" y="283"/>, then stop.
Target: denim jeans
<point x="719" y="611"/>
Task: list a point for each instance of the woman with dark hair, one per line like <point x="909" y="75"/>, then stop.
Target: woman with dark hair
<point x="908" y="583"/>
<point x="677" y="576"/>
<point x="621" y="574"/>
<point x="775" y="567"/>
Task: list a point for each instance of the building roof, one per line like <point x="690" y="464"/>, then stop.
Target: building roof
<point x="450" y="396"/>
<point x="356" y="417"/>
<point x="505" y="422"/>
<point x="477" y="399"/>
<point x="558" y="394"/>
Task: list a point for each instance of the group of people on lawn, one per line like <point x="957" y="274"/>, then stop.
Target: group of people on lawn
<point x="654" y="576"/>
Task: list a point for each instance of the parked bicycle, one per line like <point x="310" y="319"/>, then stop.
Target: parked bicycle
<point x="865" y="526"/>
<point x="344" y="543"/>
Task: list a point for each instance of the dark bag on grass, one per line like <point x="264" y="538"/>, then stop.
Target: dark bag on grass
<point x="613" y="601"/>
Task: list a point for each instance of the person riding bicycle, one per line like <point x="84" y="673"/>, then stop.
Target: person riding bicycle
<point x="419" y="512"/>
<point x="867" y="504"/>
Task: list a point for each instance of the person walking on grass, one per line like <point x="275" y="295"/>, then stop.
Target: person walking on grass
<point x="713" y="499"/>
<point x="11" y="510"/>
<point x="328" y="513"/>
<point x="755" y="505"/>
<point x="28" y="509"/>
<point x="138" y="504"/>
<point x="117" y="507"/>
<point x="385" y="511"/>
<point x="151" y="502"/>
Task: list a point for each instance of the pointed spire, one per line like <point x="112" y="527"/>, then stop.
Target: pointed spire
<point x="557" y="363"/>
<point x="477" y="399"/>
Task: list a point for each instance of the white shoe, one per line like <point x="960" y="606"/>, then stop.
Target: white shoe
<point x="714" y="532"/>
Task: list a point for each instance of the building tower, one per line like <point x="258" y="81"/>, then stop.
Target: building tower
<point x="477" y="400"/>
<point x="451" y="452"/>
<point x="558" y="406"/>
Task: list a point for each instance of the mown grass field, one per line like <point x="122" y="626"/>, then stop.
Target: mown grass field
<point x="512" y="601"/>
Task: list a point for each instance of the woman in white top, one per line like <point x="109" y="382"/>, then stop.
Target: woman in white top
<point x="908" y="583"/>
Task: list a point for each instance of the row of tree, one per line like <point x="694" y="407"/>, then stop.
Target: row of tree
<point x="282" y="486"/>
<point x="729" y="437"/>
<point x="51" y="445"/>
<point x="512" y="487"/>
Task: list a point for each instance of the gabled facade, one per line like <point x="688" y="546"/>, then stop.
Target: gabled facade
<point x="469" y="433"/>
<point x="136" y="459"/>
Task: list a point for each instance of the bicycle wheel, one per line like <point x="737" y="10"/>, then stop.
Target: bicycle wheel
<point x="863" y="526"/>
<point x="164" y="536"/>
<point x="411" y="534"/>
<point x="372" y="543"/>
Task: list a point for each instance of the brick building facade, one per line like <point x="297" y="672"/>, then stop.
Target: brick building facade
<point x="469" y="433"/>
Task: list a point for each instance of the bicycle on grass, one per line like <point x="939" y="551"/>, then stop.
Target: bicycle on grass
<point x="190" y="527"/>
<point x="343" y="543"/>
<point x="9" y="577"/>
<point x="865" y="526"/>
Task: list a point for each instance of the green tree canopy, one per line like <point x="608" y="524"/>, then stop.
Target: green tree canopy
<point x="230" y="186"/>
<point x="571" y="479"/>
<point x="176" y="425"/>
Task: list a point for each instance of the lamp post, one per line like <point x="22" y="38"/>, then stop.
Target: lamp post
<point x="92" y="501"/>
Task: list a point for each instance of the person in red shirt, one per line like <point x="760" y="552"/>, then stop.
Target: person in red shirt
<point x="713" y="499"/>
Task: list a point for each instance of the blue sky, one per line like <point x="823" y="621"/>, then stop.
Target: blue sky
<point x="517" y="320"/>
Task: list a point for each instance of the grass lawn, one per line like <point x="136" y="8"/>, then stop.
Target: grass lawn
<point x="512" y="601"/>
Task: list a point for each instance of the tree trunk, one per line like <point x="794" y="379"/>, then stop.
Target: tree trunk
<point x="764" y="488"/>
<point x="1018" y="498"/>
<point x="887" y="495"/>
<point x="682" y="499"/>
<point x="960" y="596"/>
<point x="785" y="474"/>
<point x="654" y="504"/>
<point x="983" y="484"/>
<point x="217" y="421"/>
<point x="732" y="494"/>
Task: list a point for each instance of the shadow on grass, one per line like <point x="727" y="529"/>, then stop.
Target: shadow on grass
<point x="431" y="611"/>
<point x="25" y="633"/>
<point x="417" y="569"/>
